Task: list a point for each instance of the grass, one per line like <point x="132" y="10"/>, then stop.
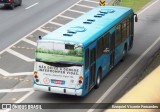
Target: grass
<point x="59" y="58"/>
<point x="134" y="4"/>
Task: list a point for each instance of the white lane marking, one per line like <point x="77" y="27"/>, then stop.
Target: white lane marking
<point x="85" y="6"/>
<point x="127" y="71"/>
<point x="5" y="73"/>
<point x="56" y="23"/>
<point x="66" y="17"/>
<point x="148" y="7"/>
<point x="43" y="30"/>
<point x="76" y="11"/>
<point x="123" y="75"/>
<point x="30" y="42"/>
<point x="31" y="92"/>
<point x="20" y="100"/>
<point x="32" y="6"/>
<point x="25" y="58"/>
<point x="39" y="28"/>
<point x="15" y="90"/>
<point x="91" y="1"/>
<point x="25" y="96"/>
<point x="21" y="74"/>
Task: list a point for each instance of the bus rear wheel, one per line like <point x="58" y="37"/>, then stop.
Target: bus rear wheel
<point x="98" y="80"/>
<point x="124" y="52"/>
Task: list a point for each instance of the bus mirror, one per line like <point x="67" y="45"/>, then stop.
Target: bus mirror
<point x="106" y="50"/>
<point x="136" y="18"/>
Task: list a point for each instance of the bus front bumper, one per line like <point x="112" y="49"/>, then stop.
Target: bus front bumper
<point x="58" y="90"/>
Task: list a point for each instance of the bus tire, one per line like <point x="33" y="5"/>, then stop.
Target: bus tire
<point x="12" y="6"/>
<point x="20" y="3"/>
<point x="98" y="79"/>
<point x="124" y="52"/>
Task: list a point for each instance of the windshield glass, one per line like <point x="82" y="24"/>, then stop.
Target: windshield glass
<point x="59" y="52"/>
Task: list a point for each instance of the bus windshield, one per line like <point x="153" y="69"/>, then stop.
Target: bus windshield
<point x="59" y="52"/>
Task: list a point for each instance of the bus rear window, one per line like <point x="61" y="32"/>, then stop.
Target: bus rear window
<point x="59" y="52"/>
<point x="68" y="46"/>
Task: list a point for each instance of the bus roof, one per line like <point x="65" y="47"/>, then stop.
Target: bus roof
<point x="89" y="26"/>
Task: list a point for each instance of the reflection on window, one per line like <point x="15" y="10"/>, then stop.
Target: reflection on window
<point x="100" y="47"/>
<point x="118" y="35"/>
<point x="106" y="41"/>
<point x="68" y="46"/>
<point x="86" y="58"/>
<point x="93" y="55"/>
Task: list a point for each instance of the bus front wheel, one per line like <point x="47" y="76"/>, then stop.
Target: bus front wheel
<point x="98" y="79"/>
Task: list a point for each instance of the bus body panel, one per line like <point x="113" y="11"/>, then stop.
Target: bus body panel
<point x="101" y="40"/>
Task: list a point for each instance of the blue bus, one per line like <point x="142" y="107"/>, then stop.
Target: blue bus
<point x="74" y="58"/>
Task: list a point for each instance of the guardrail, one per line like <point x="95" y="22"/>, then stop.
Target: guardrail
<point x="116" y="2"/>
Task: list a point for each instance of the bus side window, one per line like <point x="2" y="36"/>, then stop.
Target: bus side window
<point x="93" y="55"/>
<point x="99" y="47"/>
<point x="118" y="34"/>
<point x="128" y="27"/>
<point x="86" y="58"/>
<point x="124" y="29"/>
<point x="106" y="41"/>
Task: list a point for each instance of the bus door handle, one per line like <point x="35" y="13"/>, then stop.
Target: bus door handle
<point x="106" y="51"/>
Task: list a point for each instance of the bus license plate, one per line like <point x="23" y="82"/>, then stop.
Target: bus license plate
<point x="58" y="81"/>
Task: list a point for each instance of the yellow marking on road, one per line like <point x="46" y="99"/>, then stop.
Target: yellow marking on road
<point x="4" y="77"/>
<point x="27" y="48"/>
<point x="14" y="99"/>
<point x="102" y="3"/>
<point x="16" y="78"/>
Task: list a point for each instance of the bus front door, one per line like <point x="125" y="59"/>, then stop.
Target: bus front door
<point x="92" y="67"/>
<point x="112" y="49"/>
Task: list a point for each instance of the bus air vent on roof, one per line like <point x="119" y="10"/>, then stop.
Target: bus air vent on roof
<point x="74" y="30"/>
<point x="101" y="14"/>
<point x="71" y="31"/>
<point x="98" y="16"/>
<point x="78" y="29"/>
<point x="67" y="34"/>
<point x="89" y="21"/>
<point x="106" y="11"/>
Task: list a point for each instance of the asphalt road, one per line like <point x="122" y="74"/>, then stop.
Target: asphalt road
<point x="18" y="68"/>
<point x="14" y="24"/>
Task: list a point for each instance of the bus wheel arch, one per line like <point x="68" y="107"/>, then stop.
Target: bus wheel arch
<point x="98" y="78"/>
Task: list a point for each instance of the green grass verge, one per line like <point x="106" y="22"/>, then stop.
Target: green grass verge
<point x="134" y="4"/>
<point x="59" y="58"/>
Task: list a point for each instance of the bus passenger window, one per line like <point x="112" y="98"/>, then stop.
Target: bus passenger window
<point x="93" y="55"/>
<point x="128" y="27"/>
<point x="100" y="47"/>
<point x="106" y="41"/>
<point x="68" y="46"/>
<point x="86" y="58"/>
<point x="118" y="35"/>
<point x="124" y="30"/>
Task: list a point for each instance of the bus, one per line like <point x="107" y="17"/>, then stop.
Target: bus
<point x="74" y="58"/>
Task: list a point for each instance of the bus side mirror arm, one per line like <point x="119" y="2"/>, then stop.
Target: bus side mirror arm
<point x="136" y="17"/>
<point x="106" y="51"/>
